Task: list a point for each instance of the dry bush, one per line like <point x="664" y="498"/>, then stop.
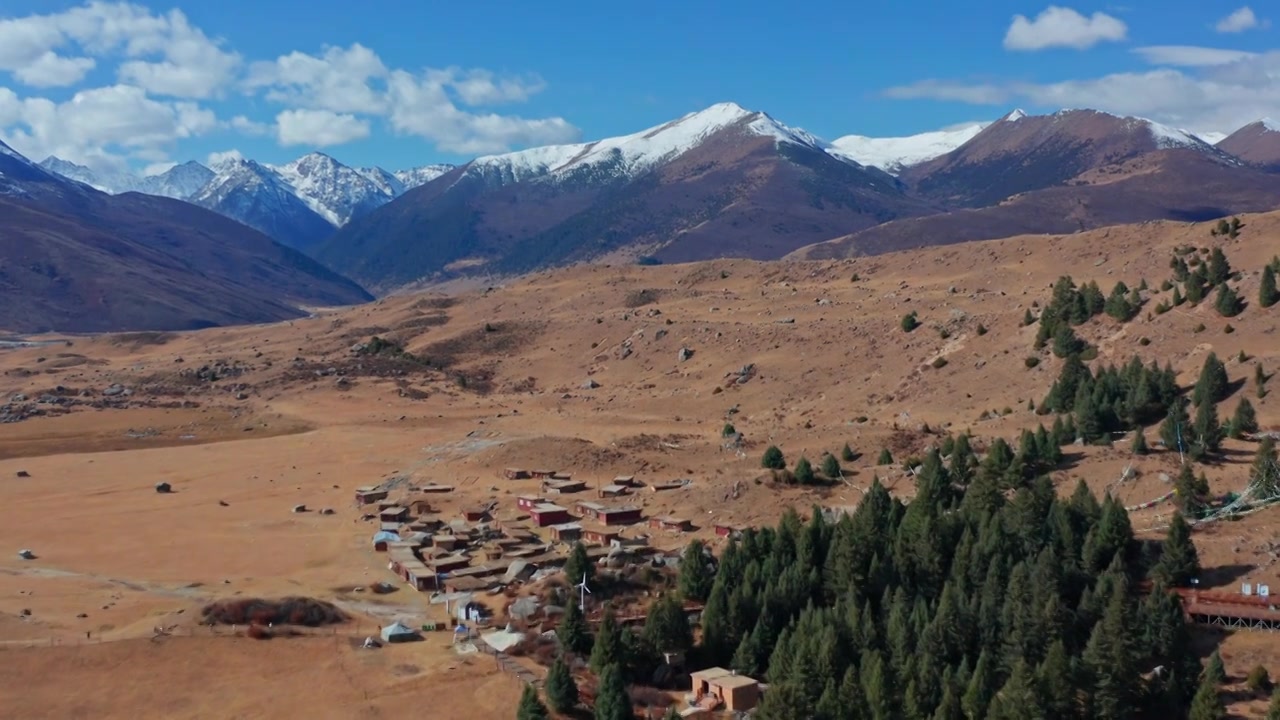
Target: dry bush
<point x="285" y="611"/>
<point x="424" y="321"/>
<point x="649" y="697"/>
<point x="435" y="302"/>
<point x="640" y="298"/>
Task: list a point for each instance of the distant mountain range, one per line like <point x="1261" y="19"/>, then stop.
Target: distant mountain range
<point x="299" y="203"/>
<point x="730" y="182"/>
<point x="75" y="259"/>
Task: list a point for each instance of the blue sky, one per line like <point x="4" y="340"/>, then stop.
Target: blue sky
<point x="401" y="84"/>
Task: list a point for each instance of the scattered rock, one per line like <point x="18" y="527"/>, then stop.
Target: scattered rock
<point x="326" y="511"/>
<point x="163" y="487"/>
<point x="590" y="384"/>
<point x="114" y="390"/>
<point x="82" y="615"/>
<point x="299" y="508"/>
<point x="24" y="474"/>
<point x="685" y="354"/>
<point x="786" y="321"/>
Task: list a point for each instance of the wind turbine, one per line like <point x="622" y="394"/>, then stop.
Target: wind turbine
<point x="583" y="592"/>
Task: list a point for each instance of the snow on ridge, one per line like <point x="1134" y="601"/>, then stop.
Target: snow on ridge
<point x="1269" y="124"/>
<point x="644" y="149"/>
<point x="1015" y="116"/>
<point x="892" y="154"/>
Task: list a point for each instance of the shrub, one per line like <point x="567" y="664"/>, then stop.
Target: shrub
<point x="939" y="362"/>
<point x="1144" y="341"/>
<point x="910" y="322"/>
<point x="1031" y="362"/>
<point x="982" y="330"/>
<point x="886" y="457"/>
<point x="1198" y="328"/>
<point x="1258" y="679"/>
<point x="773" y="459"/>
<point x="728" y="430"/>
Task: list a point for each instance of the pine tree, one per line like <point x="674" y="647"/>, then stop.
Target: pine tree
<point x="1027" y="318"/>
<point x="1065" y="341"/>
<point x="562" y="691"/>
<point x="667" y="627"/>
<point x="1259" y="381"/>
<point x="531" y="707"/>
<point x="773" y="459"/>
<point x="1228" y="301"/>
<point x="846" y="453"/>
<point x="573" y="633"/>
<point x="1219" y="268"/>
<point x="804" y="471"/>
<point x="1207" y="704"/>
<point x="830" y="466"/>
<point x="607" y="648"/>
<point x="1245" y="420"/>
<point x="1139" y="445"/>
<point x="1212" y="386"/>
<point x="1267" y="294"/>
<point x="886" y="458"/>
<point x="696" y="579"/>
<point x="1215" y="673"/>
<point x="578" y="565"/>
<point x="1207" y="431"/>
<point x="1175" y="431"/>
<point x="1179" y="563"/>
<point x="612" y="700"/>
<point x="1018" y="699"/>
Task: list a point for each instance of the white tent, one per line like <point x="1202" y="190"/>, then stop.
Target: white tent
<point x="398" y="632"/>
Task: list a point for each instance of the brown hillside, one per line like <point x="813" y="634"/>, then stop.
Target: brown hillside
<point x="1256" y="143"/>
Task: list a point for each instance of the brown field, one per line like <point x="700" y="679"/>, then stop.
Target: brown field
<point x="506" y="387"/>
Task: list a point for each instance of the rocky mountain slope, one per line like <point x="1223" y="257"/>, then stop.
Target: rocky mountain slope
<point x="725" y="181"/>
<point x="180" y="181"/>
<point x="75" y="259"/>
<point x="1256" y="143"/>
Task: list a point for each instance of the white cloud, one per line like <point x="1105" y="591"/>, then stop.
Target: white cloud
<point x="1063" y="27"/>
<point x="53" y="70"/>
<point x="1239" y="21"/>
<point x="1215" y="98"/>
<point x="217" y="158"/>
<point x="87" y="126"/>
<point x="1190" y="56"/>
<point x="162" y="64"/>
<point x="319" y="128"/>
<point x="159" y="168"/>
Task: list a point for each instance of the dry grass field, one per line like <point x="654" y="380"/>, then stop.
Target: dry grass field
<point x="579" y="370"/>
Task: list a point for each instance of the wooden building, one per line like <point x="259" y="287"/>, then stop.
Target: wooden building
<point x="567" y="532"/>
<point x="558" y="487"/>
<point x="625" y="480"/>
<point x="612" y="491"/>
<point x="395" y="514"/>
<point x="723" y="530"/>
<point x="515" y="474"/>
<point x="541" y="474"/>
<point x="737" y="693"/>
<point x="546" y="514"/>
<point x="420" y="507"/>
<point x="671" y="524"/>
<point x="368" y="495"/>
<point x="624" y="515"/>
<point x="529" y="502"/>
<point x="475" y="514"/>
<point x="599" y="536"/>
<point x="449" y="563"/>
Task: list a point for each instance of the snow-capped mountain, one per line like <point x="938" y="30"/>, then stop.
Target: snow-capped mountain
<point x="180" y="181"/>
<point x="723" y="181"/>
<point x="1257" y="143"/>
<point x="892" y="154"/>
<point x="261" y="198"/>
<point x="416" y="177"/>
<point x="334" y="191"/>
<point x="631" y="155"/>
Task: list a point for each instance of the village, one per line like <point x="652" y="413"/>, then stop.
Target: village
<point x="483" y="563"/>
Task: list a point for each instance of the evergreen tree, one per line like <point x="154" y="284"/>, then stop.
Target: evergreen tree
<point x="1065" y="341"/>
<point x="1267" y="294"/>
<point x="667" y="627"/>
<point x="612" y="700"/>
<point x="1245" y="420"/>
<point x="1187" y="492"/>
<point x="578" y="565"/>
<point x="1179" y="563"/>
<point x="696" y="579"/>
<point x="1219" y="268"/>
<point x="1018" y="699"/>
<point x="1260" y="380"/>
<point x="573" y="633"/>
<point x="1139" y="445"/>
<point x="804" y="472"/>
<point x="1175" y="431"/>
<point x="1215" y="673"/>
<point x="1228" y="301"/>
<point x="886" y="458"/>
<point x="1207" y="431"/>
<point x="562" y="691"/>
<point x="1027" y="318"/>
<point x="1207" y="704"/>
<point x="607" y="648"/>
<point x="1212" y="385"/>
<point x="773" y="459"/>
<point x="531" y="707"/>
<point x="846" y="453"/>
<point x="830" y="466"/>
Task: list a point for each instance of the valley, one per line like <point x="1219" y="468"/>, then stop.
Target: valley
<point x="599" y="371"/>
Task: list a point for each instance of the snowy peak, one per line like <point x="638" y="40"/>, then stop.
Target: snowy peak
<point x="629" y="155"/>
<point x="180" y="181"/>
<point x="416" y="177"/>
<point x="334" y="191"/>
<point x="1014" y="116"/>
<point x="1257" y="143"/>
<point x="892" y="154"/>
